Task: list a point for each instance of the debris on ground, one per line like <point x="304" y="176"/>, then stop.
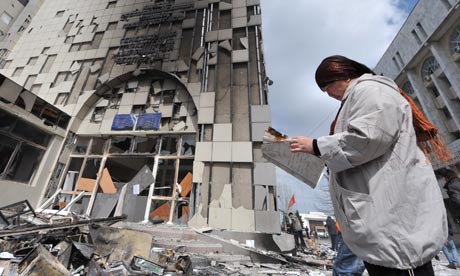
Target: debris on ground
<point x="55" y="242"/>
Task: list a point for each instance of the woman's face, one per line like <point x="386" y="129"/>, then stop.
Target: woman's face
<point x="336" y="89"/>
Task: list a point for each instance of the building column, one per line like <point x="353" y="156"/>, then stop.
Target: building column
<point x="428" y="105"/>
<point x="452" y="73"/>
<point x="447" y="65"/>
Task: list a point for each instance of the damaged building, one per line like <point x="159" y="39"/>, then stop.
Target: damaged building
<point x="152" y="109"/>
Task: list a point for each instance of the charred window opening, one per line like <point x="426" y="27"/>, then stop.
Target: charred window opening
<point x="22" y="147"/>
<point x="134" y="167"/>
<point x="120" y="144"/>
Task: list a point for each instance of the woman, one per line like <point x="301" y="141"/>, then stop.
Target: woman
<point x="383" y="188"/>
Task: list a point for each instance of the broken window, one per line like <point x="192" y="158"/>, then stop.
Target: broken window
<point x="120" y="144"/>
<point x="98" y="114"/>
<point x="81" y="145"/>
<point x="7" y="121"/>
<point x="72" y="173"/>
<point x="146" y="145"/>
<point x="130" y="161"/>
<point x="188" y="145"/>
<point x="25" y="162"/>
<point x="132" y="86"/>
<point x="167" y="96"/>
<point x="164" y="182"/>
<point x="7" y="146"/>
<point x="122" y="169"/>
<point x="115" y="99"/>
<point x="30" y="133"/>
<point x="91" y="168"/>
<point x="138" y="109"/>
<point x="169" y="146"/>
<point x="21" y="149"/>
<point x="159" y="210"/>
<point x="97" y="146"/>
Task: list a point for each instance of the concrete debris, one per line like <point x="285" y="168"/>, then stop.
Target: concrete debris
<point x="79" y="245"/>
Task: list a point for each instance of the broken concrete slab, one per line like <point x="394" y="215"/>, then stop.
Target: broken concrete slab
<point x="120" y="244"/>
<point x="284" y="241"/>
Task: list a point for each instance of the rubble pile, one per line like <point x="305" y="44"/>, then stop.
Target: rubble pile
<point x="51" y="242"/>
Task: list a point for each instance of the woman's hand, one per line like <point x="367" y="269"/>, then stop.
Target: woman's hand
<point x="302" y="144"/>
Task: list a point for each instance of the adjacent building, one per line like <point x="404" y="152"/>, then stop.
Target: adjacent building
<point x="166" y="103"/>
<point x="15" y="16"/>
<point x="424" y="60"/>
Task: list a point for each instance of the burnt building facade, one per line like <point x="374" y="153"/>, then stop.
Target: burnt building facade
<point x="167" y="103"/>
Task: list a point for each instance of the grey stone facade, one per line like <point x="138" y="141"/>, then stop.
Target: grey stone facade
<point x="424" y="59"/>
<point x="178" y="86"/>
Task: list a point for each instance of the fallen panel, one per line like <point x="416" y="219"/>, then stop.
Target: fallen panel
<point x="134" y="207"/>
<point x="306" y="167"/>
<point x="143" y="178"/>
<point x="104" y="205"/>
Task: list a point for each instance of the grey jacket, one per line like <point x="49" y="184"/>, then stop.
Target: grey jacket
<point x="384" y="191"/>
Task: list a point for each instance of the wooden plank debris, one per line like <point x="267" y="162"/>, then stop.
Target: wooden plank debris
<point x="106" y="183"/>
<point x="85" y="184"/>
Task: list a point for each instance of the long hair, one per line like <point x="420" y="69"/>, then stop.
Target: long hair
<point x="337" y="67"/>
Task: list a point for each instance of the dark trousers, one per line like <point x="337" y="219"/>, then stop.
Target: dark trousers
<point x="334" y="242"/>
<point x="376" y="270"/>
<point x="298" y="238"/>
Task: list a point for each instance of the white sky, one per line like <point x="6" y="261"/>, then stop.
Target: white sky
<point x="297" y="35"/>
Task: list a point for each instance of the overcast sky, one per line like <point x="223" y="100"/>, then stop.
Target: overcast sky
<point x="297" y="35"/>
